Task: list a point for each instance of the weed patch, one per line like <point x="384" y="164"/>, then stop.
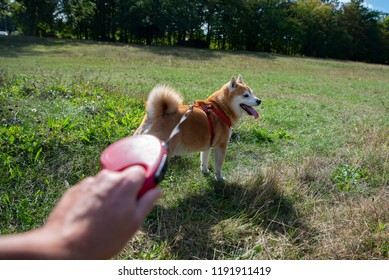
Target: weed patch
<point x="347" y="178"/>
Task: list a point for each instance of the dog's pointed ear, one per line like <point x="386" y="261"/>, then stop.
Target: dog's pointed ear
<point x="233" y="82"/>
<point x="240" y="79"/>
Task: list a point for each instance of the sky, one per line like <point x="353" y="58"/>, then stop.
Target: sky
<point x="380" y="5"/>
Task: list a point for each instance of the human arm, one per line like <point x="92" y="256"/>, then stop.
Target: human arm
<point x="93" y="220"/>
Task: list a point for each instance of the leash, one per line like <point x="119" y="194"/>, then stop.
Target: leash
<point x="176" y="129"/>
<point x="207" y="108"/>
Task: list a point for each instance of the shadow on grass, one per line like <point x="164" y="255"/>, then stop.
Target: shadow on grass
<point x="226" y="220"/>
<point x="191" y="53"/>
<point x="15" y="46"/>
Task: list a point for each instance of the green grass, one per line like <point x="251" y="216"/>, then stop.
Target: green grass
<point x="309" y="180"/>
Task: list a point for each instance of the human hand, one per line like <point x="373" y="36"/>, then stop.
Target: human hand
<point x="95" y="218"/>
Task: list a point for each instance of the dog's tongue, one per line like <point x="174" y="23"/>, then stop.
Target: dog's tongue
<point x="252" y="111"/>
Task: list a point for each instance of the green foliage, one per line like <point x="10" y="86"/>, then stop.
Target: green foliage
<point x="348" y="177"/>
<point x="156" y="252"/>
<point x="304" y="27"/>
<point x="35" y="18"/>
<point x="264" y="135"/>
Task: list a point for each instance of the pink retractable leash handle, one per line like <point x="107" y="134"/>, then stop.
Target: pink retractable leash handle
<point x="143" y="150"/>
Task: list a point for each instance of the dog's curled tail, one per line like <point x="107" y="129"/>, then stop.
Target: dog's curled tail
<point x="162" y="100"/>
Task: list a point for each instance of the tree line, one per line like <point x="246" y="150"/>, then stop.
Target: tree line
<point x="318" y="28"/>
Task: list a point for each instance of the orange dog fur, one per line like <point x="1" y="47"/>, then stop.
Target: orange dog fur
<point x="164" y="110"/>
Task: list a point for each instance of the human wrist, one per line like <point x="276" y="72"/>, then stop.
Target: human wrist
<point x="36" y="244"/>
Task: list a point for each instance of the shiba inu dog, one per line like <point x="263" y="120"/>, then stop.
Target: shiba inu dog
<point x="208" y="124"/>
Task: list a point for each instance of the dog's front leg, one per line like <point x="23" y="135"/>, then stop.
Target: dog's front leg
<point x="220" y="155"/>
<point x="205" y="161"/>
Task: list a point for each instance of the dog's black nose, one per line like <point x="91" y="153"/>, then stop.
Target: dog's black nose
<point x="258" y="101"/>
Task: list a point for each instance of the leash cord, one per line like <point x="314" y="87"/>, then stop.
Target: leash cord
<point x="176" y="129"/>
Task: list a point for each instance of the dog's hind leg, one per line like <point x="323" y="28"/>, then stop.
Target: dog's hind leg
<point x="144" y="126"/>
<point x="205" y="161"/>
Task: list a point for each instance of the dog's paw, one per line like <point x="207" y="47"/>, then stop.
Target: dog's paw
<point x="205" y="171"/>
<point x="220" y="179"/>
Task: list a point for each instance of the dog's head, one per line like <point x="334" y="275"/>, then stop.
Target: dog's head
<point x="242" y="97"/>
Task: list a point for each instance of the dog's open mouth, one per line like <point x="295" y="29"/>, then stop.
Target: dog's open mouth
<point x="250" y="110"/>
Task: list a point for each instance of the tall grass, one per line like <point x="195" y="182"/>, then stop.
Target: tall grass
<point x="308" y="181"/>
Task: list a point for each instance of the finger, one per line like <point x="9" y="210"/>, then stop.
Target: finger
<point x="146" y="203"/>
<point x="131" y="180"/>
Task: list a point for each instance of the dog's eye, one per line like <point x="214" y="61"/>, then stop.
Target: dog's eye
<point x="246" y="95"/>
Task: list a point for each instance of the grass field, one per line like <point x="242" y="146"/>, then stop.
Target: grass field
<point x="309" y="180"/>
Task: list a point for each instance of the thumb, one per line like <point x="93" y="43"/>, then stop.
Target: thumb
<point x="146" y="203"/>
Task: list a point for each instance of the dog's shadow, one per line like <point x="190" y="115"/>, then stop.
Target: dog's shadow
<point x="225" y="219"/>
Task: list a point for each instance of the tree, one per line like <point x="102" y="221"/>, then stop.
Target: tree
<point x="322" y="28"/>
<point x="385" y="40"/>
<point x="4" y="10"/>
<point x="361" y="26"/>
<point x="35" y="17"/>
<point x="147" y="20"/>
<point x="76" y="17"/>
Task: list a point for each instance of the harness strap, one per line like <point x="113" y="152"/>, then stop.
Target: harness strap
<point x="207" y="108"/>
<point x="211" y="127"/>
<point x="221" y="115"/>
